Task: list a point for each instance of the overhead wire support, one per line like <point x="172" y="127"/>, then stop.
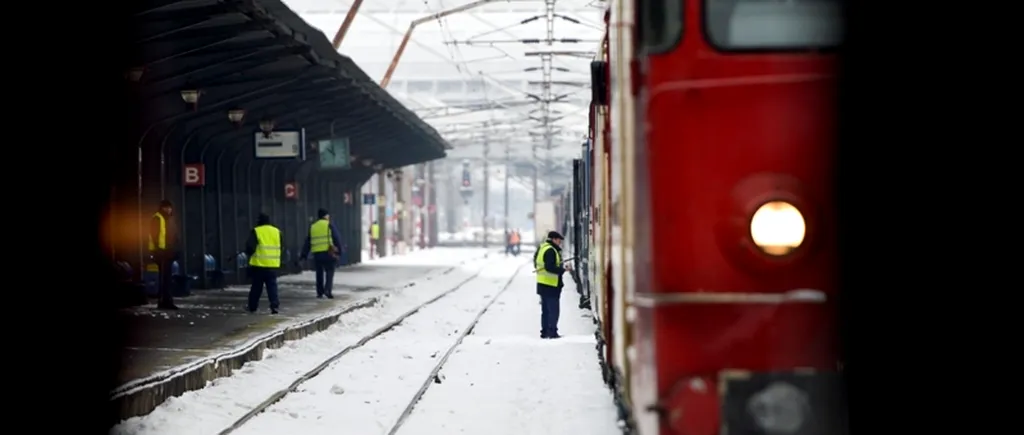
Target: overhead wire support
<point x="412" y="26"/>
<point x="547" y="61"/>
<point x="343" y="29"/>
<point x="523" y="41"/>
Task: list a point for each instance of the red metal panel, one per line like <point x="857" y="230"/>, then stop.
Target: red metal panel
<point x="723" y="133"/>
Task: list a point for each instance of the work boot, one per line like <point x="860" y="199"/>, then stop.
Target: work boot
<point x="273" y="311"/>
<point x="319" y="296"/>
<point x="330" y="296"/>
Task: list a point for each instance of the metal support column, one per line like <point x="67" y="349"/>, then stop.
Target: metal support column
<point x="382" y="220"/>
<point x="399" y="211"/>
<point x="432" y="206"/>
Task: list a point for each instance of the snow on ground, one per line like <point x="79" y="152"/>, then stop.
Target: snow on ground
<point x="224" y="400"/>
<point x="400" y="267"/>
<point x="505" y="380"/>
<point x="427" y="257"/>
<point x="366" y="391"/>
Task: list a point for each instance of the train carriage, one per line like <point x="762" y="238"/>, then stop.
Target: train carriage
<point x="710" y="250"/>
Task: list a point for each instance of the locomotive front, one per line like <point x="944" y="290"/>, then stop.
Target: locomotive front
<point x="723" y="111"/>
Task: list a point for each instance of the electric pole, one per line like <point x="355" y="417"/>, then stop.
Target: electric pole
<point x="487" y="187"/>
<point x="508" y="167"/>
<point x="546" y="97"/>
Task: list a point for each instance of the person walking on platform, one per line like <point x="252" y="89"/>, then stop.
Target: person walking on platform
<point x="163" y="244"/>
<point x="324" y="243"/>
<point x="264" y="251"/>
<point x="548" y="266"/>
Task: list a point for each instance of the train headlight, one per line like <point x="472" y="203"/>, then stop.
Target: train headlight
<point x="780" y="408"/>
<point x="778" y="228"/>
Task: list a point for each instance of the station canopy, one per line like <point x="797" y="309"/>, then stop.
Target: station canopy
<point x="260" y="58"/>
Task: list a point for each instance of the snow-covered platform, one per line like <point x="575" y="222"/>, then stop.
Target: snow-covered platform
<point x="170" y="352"/>
<point x="505" y="380"/>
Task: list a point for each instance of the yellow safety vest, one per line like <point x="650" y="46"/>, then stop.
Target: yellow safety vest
<point x="268" y="247"/>
<point x="543" y="276"/>
<point x="162" y="237"/>
<point x="375" y="231"/>
<point x="320" y="236"/>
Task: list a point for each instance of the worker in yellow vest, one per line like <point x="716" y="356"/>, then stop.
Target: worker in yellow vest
<point x="325" y="244"/>
<point x="264" y="251"/>
<point x="163" y="247"/>
<point x="374" y="235"/>
<point x="548" y="266"/>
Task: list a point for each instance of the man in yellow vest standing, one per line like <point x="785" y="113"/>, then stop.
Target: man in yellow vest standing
<point x="163" y="245"/>
<point x="374" y="235"/>
<point x="548" y="266"/>
<point x="264" y="251"/>
<point x="325" y="244"/>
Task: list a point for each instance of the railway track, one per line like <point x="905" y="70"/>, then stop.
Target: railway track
<point x="302" y="379"/>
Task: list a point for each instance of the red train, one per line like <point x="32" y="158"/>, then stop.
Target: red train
<point x="704" y="215"/>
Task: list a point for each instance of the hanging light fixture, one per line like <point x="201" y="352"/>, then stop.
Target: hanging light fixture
<point x="267" y="126"/>
<point x="134" y="74"/>
<point x="236" y="115"/>
<point x="191" y="97"/>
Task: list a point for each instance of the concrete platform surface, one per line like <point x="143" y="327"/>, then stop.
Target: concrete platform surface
<point x="172" y="352"/>
<point x="211" y="322"/>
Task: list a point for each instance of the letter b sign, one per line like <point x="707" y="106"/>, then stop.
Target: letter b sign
<point x="195" y="175"/>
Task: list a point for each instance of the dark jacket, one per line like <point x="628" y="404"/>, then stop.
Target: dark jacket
<point x="335" y="240"/>
<point x="550" y="266"/>
<point x="171" y="237"/>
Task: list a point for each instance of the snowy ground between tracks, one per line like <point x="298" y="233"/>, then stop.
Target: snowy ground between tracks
<point x="366" y="391"/>
<point x="505" y="380"/>
<point x="224" y="400"/>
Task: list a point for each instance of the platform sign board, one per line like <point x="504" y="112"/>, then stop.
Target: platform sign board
<point x="291" y="190"/>
<point x="194" y="175"/>
<point x="334" y="153"/>
<point x="369" y="199"/>
<point x="279" y="145"/>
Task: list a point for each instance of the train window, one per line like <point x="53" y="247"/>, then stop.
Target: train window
<point x="773" y="24"/>
<point x="659" y="25"/>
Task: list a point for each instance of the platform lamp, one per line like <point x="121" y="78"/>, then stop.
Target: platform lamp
<point x="267" y="126"/>
<point x="236" y="116"/>
<point x="191" y="97"/>
<point x="134" y="74"/>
